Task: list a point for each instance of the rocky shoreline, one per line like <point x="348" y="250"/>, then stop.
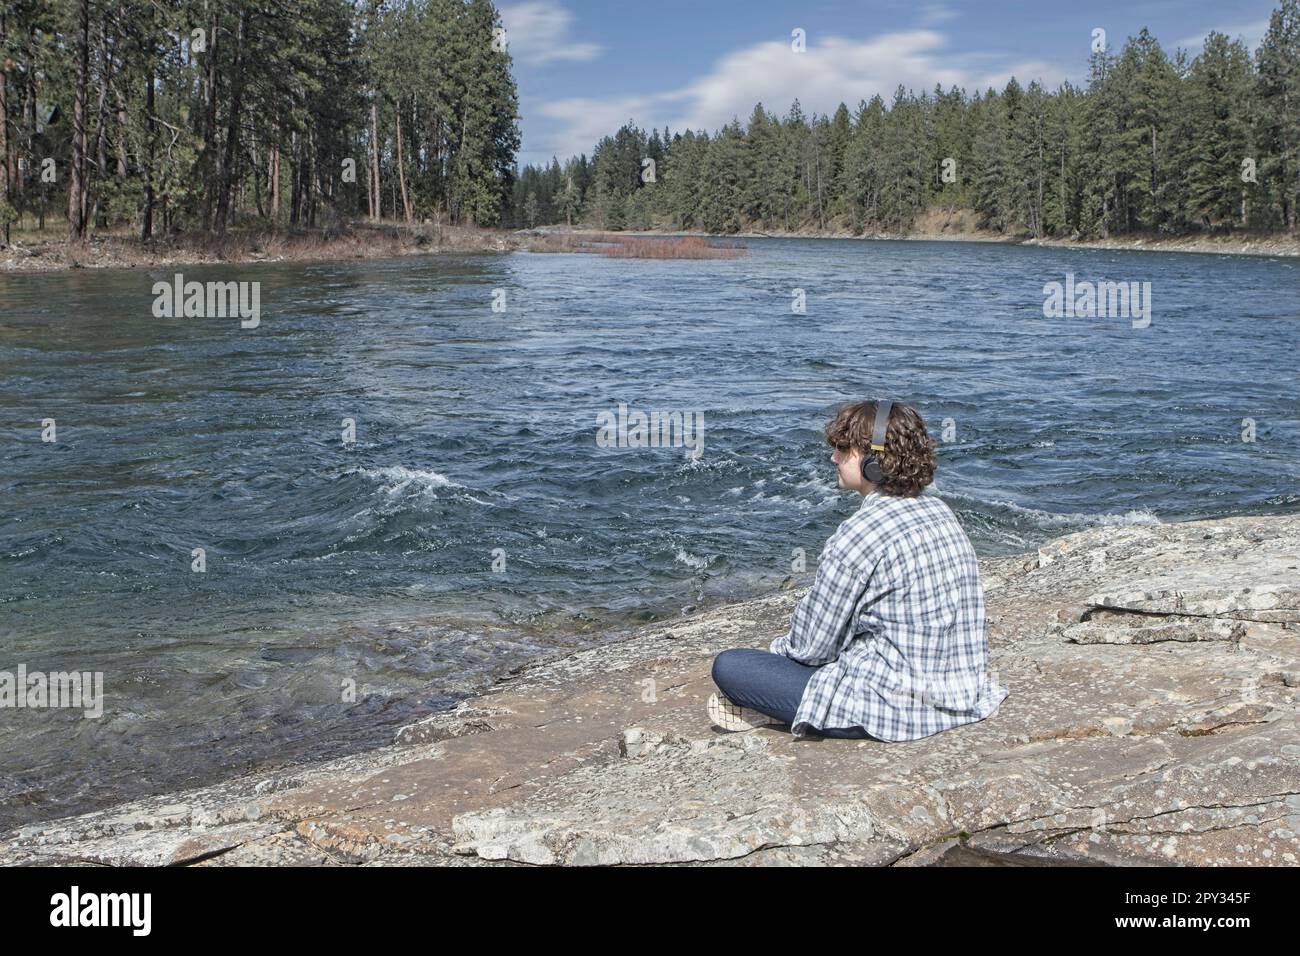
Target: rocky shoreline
<point x="1154" y="718"/>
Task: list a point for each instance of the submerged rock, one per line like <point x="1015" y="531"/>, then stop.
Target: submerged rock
<point x="1153" y="718"/>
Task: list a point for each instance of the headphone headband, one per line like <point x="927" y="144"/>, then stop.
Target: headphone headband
<point x="871" y="469"/>
<point x="883" y="408"/>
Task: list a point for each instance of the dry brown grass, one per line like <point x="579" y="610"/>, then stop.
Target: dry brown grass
<point x="681" y="247"/>
<point x="616" y="246"/>
<point x="569" y="242"/>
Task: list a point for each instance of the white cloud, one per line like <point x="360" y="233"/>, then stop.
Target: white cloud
<point x="584" y="120"/>
<point x="1251" y="33"/>
<point x="537" y="33"/>
<point x="932" y="13"/>
<point x="833" y="69"/>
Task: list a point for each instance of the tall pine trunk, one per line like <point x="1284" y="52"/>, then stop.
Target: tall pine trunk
<point x="151" y="137"/>
<point x="77" y="175"/>
<point x="121" y="132"/>
<point x="374" y="157"/>
<point x="213" y="77"/>
<point x="29" y="115"/>
<point x="101" y="131"/>
<point x="401" y="171"/>
<point x="295" y="180"/>
<point x="273" y="174"/>
<point x="232" y="127"/>
<point x="309" y="178"/>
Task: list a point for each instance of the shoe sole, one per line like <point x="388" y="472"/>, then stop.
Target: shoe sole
<point x="732" y="717"/>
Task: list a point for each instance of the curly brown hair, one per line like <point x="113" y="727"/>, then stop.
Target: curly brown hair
<point x="908" y="460"/>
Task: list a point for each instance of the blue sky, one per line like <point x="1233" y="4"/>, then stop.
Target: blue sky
<point x="584" y="67"/>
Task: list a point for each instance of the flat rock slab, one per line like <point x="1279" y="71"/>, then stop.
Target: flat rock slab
<point x="1153" y="718"/>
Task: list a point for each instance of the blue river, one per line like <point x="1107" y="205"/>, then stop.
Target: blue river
<point x="279" y="542"/>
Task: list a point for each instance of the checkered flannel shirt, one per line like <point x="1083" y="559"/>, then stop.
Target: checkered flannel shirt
<point x="895" y="624"/>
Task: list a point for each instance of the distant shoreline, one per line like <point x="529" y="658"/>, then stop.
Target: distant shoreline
<point x="391" y="240"/>
<point x="1275" y="244"/>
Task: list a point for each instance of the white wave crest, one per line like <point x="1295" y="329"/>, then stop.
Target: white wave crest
<point x="397" y="479"/>
<point x="691" y="561"/>
<point x="1050" y="519"/>
<point x="398" y="482"/>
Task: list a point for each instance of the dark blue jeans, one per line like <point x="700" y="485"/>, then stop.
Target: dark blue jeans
<point x="771" y="684"/>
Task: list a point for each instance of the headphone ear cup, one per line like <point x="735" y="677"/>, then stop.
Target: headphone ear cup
<point x="871" y="469"/>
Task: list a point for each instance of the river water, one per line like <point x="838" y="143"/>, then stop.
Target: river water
<point x="475" y="521"/>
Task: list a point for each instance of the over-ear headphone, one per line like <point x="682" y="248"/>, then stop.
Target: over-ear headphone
<point x="871" y="469"/>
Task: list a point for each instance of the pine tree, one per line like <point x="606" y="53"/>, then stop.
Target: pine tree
<point x="1031" y="161"/>
<point x="1102" y="149"/>
<point x="761" y="193"/>
<point x="1278" y="91"/>
<point x="1216" y="138"/>
<point x="1065" y="135"/>
<point x="992" y="162"/>
<point x="862" y="176"/>
<point x="724" y="170"/>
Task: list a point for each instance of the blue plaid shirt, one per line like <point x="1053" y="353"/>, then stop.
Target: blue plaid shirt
<point x="896" y="616"/>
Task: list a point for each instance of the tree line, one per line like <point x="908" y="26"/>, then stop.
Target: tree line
<point x="1152" y="144"/>
<point x="200" y="115"/>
